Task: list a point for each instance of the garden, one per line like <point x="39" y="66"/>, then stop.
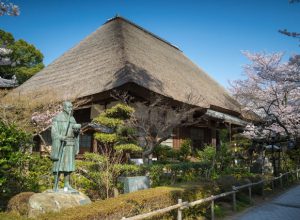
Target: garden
<point x="177" y="173"/>
<point x="252" y="151"/>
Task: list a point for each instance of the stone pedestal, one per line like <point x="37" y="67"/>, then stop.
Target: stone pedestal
<point x="50" y="201"/>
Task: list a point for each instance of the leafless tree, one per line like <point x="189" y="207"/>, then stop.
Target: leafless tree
<point x="156" y="119"/>
<point x="289" y="33"/>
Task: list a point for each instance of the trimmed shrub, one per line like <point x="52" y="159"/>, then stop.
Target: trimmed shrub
<point x="185" y="150"/>
<point x="168" y="154"/>
<point x="19" y="203"/>
<point x="135" y="203"/>
<point x="165" y="153"/>
<point x="11" y="216"/>
<point x="100" y="172"/>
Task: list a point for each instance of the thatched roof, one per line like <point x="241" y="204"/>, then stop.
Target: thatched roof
<point x="120" y="52"/>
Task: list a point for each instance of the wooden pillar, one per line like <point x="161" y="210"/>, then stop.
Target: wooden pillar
<point x="213" y="133"/>
<point x="94" y="146"/>
<point x="176" y="138"/>
<point x="212" y="210"/>
<point x="250" y="194"/>
<point x="234" y="199"/>
<point x="214" y="137"/>
<point x="229" y="131"/>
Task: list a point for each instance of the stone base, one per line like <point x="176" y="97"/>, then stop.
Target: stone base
<point x="50" y="201"/>
<point x="62" y="191"/>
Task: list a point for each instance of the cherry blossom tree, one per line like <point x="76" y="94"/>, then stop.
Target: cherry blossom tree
<point x="271" y="89"/>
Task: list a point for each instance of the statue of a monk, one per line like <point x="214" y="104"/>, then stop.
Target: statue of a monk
<point x="65" y="145"/>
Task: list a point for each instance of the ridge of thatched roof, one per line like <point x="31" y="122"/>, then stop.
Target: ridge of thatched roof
<point x="143" y="29"/>
<point x="121" y="52"/>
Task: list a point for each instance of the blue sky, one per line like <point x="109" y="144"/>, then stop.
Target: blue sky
<point x="211" y="33"/>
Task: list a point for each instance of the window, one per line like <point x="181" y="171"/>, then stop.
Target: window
<point x="85" y="141"/>
<point x="168" y="142"/>
<point x="197" y="136"/>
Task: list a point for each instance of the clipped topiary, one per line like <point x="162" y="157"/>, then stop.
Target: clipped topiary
<point x="19" y="203"/>
<point x="103" y="170"/>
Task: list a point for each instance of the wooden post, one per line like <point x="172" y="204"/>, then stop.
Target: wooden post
<point x="293" y="177"/>
<point x="262" y="189"/>
<point x="234" y="198"/>
<point x="280" y="178"/>
<point x="95" y="146"/>
<point x="229" y="131"/>
<point x="297" y="175"/>
<point x="179" y="212"/>
<point x="250" y="194"/>
<point x="212" y="209"/>
<point x="272" y="182"/>
<point x="214" y="137"/>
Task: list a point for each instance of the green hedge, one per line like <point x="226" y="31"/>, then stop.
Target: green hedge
<point x="135" y="203"/>
<point x="171" y="173"/>
<point x="11" y="216"/>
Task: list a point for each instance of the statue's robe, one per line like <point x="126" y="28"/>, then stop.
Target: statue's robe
<point x="70" y="147"/>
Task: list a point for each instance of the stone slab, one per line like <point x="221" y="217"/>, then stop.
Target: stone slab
<point x="132" y="184"/>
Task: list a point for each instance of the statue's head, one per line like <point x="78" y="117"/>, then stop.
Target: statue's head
<point x="68" y="107"/>
<point x="76" y="128"/>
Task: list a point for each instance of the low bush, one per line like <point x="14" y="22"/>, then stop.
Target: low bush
<point x="185" y="150"/>
<point x="97" y="175"/>
<point x="171" y="173"/>
<point x="136" y="202"/>
<point x="11" y="216"/>
<point x="258" y="188"/>
<point x="20" y="170"/>
<point x="165" y="153"/>
<point x="100" y="172"/>
<point x="226" y="182"/>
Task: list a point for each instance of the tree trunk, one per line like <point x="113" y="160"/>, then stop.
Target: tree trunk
<point x="147" y="154"/>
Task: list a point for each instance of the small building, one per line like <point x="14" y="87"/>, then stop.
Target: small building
<point x="8" y="83"/>
<point x="121" y="55"/>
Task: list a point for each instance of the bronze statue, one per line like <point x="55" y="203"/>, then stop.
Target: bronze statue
<point x="65" y="145"/>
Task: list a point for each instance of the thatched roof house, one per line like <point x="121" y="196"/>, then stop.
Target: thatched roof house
<point x="123" y="54"/>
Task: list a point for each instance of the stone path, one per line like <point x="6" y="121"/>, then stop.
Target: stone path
<point x="283" y="207"/>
